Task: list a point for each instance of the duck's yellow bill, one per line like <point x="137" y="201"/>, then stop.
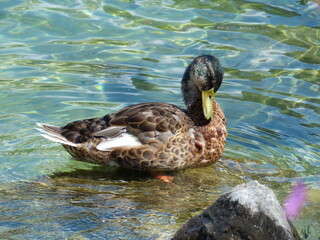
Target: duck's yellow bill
<point x="207" y="103"/>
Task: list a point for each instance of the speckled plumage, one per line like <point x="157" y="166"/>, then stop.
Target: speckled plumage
<point x="163" y="136"/>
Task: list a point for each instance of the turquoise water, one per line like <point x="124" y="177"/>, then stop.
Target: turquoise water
<point x="68" y="60"/>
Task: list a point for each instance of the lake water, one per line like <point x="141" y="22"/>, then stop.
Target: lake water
<point x="64" y="60"/>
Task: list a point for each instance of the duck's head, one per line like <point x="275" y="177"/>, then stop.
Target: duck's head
<point x="201" y="81"/>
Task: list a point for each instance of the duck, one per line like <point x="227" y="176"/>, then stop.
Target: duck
<point x="155" y="136"/>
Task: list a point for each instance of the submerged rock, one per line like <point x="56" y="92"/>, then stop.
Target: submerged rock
<point x="249" y="211"/>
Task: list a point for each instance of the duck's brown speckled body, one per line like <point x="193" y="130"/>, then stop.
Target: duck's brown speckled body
<point x="155" y="136"/>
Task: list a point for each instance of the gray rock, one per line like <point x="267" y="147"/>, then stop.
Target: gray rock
<point x="249" y="211"/>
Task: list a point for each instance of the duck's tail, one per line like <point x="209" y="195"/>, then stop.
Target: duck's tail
<point x="53" y="133"/>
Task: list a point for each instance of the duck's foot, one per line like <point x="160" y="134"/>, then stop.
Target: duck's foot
<point x="162" y="177"/>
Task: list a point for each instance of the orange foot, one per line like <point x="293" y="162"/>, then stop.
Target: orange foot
<point x="159" y="175"/>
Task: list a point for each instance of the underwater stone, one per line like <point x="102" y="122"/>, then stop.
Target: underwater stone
<point x="249" y="211"/>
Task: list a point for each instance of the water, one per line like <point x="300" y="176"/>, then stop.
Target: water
<point x="68" y="60"/>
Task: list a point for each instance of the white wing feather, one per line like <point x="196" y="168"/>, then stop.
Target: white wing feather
<point x="122" y="140"/>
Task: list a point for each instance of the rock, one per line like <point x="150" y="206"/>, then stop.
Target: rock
<point x="249" y="211"/>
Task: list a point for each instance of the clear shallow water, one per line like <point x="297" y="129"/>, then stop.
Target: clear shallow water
<point x="68" y="60"/>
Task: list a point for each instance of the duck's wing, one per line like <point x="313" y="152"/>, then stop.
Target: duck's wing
<point x="151" y="121"/>
<point x="142" y="123"/>
<point x="132" y="126"/>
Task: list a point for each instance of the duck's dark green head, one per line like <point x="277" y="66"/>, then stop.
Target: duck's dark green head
<point x="201" y="81"/>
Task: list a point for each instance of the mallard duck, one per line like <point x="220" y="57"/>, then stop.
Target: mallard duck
<point x="155" y="136"/>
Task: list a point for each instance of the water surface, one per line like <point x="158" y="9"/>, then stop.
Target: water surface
<point x="68" y="60"/>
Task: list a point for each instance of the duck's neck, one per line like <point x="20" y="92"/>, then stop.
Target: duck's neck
<point x="195" y="112"/>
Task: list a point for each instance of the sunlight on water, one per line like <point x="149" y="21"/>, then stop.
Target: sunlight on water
<point x="68" y="60"/>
